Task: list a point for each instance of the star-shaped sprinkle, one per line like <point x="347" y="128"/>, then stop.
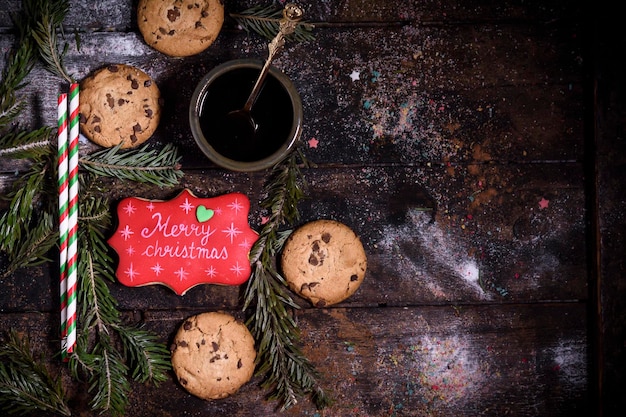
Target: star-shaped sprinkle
<point x="313" y="143"/>
<point x="543" y="203"/>
<point x="355" y="75"/>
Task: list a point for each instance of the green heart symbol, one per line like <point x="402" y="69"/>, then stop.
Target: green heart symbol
<point x="203" y="214"/>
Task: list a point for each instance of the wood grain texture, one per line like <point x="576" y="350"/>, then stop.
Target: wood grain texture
<point x="459" y="155"/>
<point x="463" y="360"/>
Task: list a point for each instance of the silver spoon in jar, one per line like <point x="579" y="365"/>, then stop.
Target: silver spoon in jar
<point x="241" y="119"/>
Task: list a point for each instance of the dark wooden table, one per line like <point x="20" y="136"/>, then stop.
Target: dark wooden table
<point x="501" y="117"/>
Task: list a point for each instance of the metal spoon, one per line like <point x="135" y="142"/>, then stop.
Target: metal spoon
<point x="241" y="119"/>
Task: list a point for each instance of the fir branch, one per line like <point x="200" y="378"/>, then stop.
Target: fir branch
<point x="25" y="384"/>
<point x="106" y="374"/>
<point x="287" y="372"/>
<point x="265" y="21"/>
<point x="33" y="249"/>
<point x="107" y="367"/>
<point x="98" y="308"/>
<point x="27" y="233"/>
<point x="15" y="221"/>
<point x="48" y="16"/>
<point x="148" y="359"/>
<point x="19" y="63"/>
<point x="26" y="144"/>
<point x="159" y="167"/>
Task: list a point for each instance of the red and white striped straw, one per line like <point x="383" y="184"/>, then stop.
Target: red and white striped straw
<point x="72" y="252"/>
<point x="63" y="168"/>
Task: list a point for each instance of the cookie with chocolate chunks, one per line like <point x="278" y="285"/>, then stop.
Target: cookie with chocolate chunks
<point x="180" y="27"/>
<point x="324" y="262"/>
<point x="119" y="104"/>
<point x="213" y="355"/>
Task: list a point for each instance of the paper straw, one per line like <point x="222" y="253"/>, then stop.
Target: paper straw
<point x="72" y="251"/>
<point x="63" y="167"/>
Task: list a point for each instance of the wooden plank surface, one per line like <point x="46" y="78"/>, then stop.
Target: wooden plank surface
<point x="609" y="156"/>
<point x="458" y="156"/>
<point x="523" y="360"/>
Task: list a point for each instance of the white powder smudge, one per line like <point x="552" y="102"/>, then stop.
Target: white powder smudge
<point x="569" y="359"/>
<point x="444" y="256"/>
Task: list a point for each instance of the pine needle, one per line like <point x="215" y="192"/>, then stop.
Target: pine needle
<point x="25" y="384"/>
<point x="288" y="374"/>
<point x="34" y="247"/>
<point x="26" y="144"/>
<point x="158" y="167"/>
<point x="265" y="21"/>
<point x="107" y="355"/>
<point x="16" y="220"/>
<point x="19" y="63"/>
<point x="48" y="16"/>
<point x="149" y="359"/>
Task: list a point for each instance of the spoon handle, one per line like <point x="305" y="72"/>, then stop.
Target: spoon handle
<point x="291" y="15"/>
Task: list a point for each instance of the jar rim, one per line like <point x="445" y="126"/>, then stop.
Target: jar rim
<point x="232" y="164"/>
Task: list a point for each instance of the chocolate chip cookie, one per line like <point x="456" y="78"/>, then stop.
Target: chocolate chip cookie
<point x="180" y="27"/>
<point x="324" y="261"/>
<point x="119" y="104"/>
<point x="213" y="355"/>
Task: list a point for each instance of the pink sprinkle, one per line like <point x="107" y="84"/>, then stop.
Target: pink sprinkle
<point x="543" y="203"/>
<point x="313" y="143"/>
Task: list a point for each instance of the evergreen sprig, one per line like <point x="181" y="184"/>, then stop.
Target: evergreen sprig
<point x="46" y="17"/>
<point x="25" y="384"/>
<point x="108" y="354"/>
<point x="33" y="144"/>
<point x="34" y="247"/>
<point x="159" y="167"/>
<point x="148" y="358"/>
<point x="286" y="370"/>
<point x="15" y="222"/>
<point x="265" y="21"/>
<point x="105" y="365"/>
<point x="19" y="63"/>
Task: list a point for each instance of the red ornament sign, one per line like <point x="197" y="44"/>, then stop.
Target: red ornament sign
<point x="184" y="242"/>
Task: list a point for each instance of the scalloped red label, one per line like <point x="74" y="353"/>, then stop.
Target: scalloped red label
<point x="184" y="242"/>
